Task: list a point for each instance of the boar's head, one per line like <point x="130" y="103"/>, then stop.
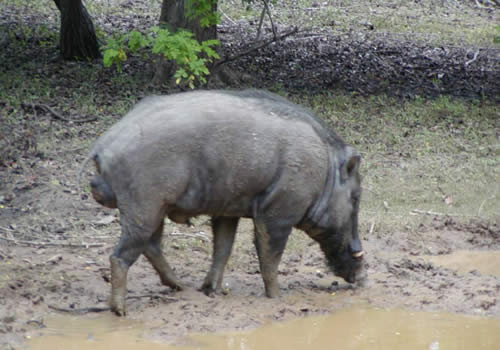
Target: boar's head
<point x="337" y="231"/>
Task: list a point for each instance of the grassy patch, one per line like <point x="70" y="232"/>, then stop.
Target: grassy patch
<point x="439" y="155"/>
<point x="432" y="22"/>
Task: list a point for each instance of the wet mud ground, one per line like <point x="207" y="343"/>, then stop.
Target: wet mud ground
<point x="67" y="268"/>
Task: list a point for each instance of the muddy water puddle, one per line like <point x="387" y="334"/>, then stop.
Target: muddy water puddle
<point x="486" y="262"/>
<point x="99" y="332"/>
<point x="354" y="328"/>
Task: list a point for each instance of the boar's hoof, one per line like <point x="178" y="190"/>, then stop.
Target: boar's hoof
<point x="119" y="310"/>
<point x="273" y="292"/>
<point x="208" y="290"/>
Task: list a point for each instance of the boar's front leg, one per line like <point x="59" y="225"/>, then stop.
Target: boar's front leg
<point x="270" y="242"/>
<point x="224" y="231"/>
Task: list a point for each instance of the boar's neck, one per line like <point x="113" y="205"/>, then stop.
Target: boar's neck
<point x="316" y="216"/>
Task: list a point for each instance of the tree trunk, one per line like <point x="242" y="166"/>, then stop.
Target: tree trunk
<point x="173" y="16"/>
<point x="77" y="34"/>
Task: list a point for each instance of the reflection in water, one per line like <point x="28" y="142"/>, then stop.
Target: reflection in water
<point x="356" y="328"/>
<point x="486" y="262"/>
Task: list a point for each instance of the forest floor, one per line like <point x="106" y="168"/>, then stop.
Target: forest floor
<point x="413" y="87"/>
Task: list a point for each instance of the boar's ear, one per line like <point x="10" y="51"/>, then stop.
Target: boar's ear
<point x="350" y="166"/>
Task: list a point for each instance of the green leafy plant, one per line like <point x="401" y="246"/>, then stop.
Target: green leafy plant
<point x="114" y="53"/>
<point x="137" y="41"/>
<point x="496" y="39"/>
<point x="190" y="56"/>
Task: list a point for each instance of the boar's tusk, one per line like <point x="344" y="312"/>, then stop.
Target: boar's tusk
<point x="359" y="254"/>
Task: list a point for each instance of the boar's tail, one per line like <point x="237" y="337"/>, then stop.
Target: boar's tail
<point x="91" y="156"/>
<point x="101" y="190"/>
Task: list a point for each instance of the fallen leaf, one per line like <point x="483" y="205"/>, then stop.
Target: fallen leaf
<point x="105" y="220"/>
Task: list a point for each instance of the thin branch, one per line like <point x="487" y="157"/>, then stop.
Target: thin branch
<point x="87" y="310"/>
<point x="52" y="244"/>
<point x="266" y="6"/>
<point x="191" y="235"/>
<point x="264" y="10"/>
<point x="372" y="226"/>
<point x="433" y="213"/>
<point x="482" y="204"/>
<point x="77" y="149"/>
<point x="81" y="311"/>
<point x="153" y="296"/>
<point x="260" y="23"/>
<point x="57" y="115"/>
<point x="227" y="17"/>
<point x="255" y="48"/>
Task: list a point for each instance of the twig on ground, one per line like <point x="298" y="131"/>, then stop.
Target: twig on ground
<point x="372" y="226"/>
<point x="81" y="311"/>
<point x="52" y="244"/>
<point x="77" y="149"/>
<point x="57" y="115"/>
<point x="54" y="259"/>
<point x="255" y="48"/>
<point x="427" y="212"/>
<point x="483" y="202"/>
<point x="95" y="309"/>
<point x="191" y="235"/>
<point x="8" y="231"/>
<point x="430" y="212"/>
<point x="154" y="296"/>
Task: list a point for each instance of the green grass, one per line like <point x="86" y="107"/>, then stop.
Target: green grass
<point x="440" y="155"/>
<point x="432" y="22"/>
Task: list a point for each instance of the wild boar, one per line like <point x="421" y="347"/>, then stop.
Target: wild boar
<point x="227" y="154"/>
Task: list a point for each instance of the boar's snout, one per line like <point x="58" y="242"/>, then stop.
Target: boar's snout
<point x="347" y="262"/>
<point x="355" y="249"/>
<point x="351" y="267"/>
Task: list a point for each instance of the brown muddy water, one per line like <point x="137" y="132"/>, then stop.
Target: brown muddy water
<point x="463" y="261"/>
<point x="353" y="328"/>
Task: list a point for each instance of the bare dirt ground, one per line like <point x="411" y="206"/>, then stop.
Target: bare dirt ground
<point x="55" y="240"/>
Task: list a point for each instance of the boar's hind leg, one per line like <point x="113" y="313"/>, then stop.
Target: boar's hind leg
<point x="136" y="239"/>
<point x="224" y="230"/>
<point x="155" y="256"/>
<point x="125" y="254"/>
<point x="270" y="243"/>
